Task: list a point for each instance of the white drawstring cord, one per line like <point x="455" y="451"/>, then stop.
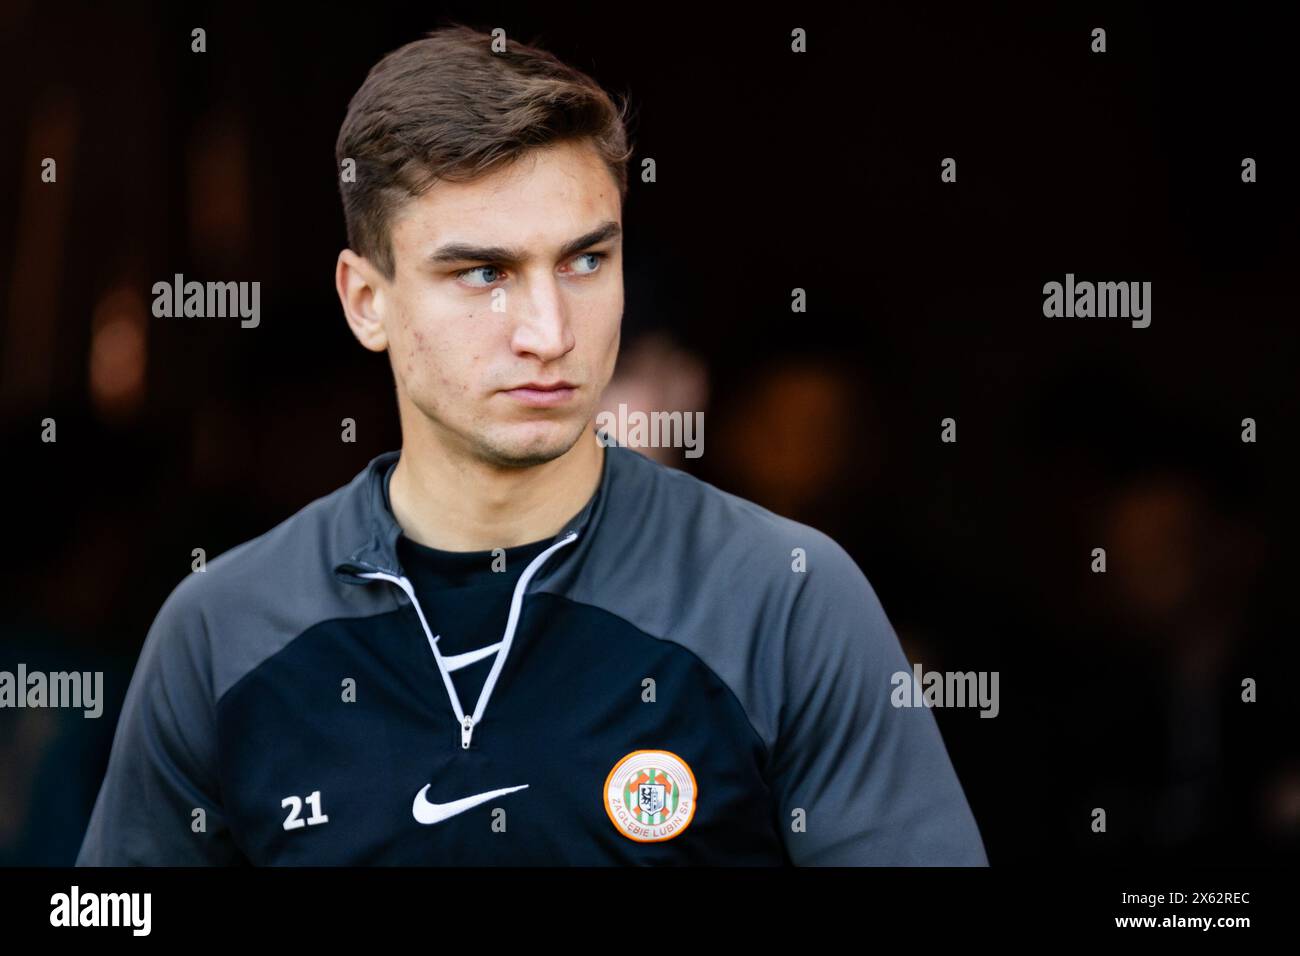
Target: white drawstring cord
<point x="468" y="723"/>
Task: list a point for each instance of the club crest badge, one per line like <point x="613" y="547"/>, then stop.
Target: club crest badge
<point x="650" y="795"/>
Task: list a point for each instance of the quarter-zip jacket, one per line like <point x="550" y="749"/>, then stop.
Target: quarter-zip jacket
<point x="684" y="678"/>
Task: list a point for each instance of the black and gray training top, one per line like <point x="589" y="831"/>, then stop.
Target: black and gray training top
<point x="683" y="677"/>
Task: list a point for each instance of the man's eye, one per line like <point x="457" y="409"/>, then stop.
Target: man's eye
<point x="495" y="272"/>
<point x="598" y="256"/>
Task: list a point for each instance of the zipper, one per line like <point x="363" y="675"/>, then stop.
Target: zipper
<point x="469" y="721"/>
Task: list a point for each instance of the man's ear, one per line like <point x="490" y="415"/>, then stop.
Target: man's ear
<point x="361" y="293"/>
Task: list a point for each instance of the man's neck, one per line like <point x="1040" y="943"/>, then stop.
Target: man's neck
<point x="457" y="505"/>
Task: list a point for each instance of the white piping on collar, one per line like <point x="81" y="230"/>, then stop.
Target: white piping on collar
<point x="469" y="722"/>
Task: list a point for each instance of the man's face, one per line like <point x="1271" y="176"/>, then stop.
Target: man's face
<point x="502" y="319"/>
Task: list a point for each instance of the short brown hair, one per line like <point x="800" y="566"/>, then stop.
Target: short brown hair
<point x="447" y="108"/>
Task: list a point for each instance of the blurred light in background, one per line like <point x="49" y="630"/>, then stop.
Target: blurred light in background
<point x="118" y="350"/>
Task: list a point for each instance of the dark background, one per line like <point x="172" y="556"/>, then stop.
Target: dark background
<point x="819" y="171"/>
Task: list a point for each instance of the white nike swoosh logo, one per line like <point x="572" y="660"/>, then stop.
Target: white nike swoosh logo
<point x="426" y="812"/>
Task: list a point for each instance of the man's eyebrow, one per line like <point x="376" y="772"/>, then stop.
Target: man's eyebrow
<point x="466" y="252"/>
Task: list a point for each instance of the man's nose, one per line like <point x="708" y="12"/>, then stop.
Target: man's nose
<point x="542" y="326"/>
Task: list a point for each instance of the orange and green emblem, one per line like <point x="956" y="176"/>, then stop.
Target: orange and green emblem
<point x="650" y="795"/>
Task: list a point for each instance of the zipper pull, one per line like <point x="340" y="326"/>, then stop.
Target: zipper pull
<point x="466" y="730"/>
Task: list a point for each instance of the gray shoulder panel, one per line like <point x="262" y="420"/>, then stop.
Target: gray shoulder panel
<point x="257" y="597"/>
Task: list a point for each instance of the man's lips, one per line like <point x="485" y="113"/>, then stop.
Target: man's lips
<point x="542" y="394"/>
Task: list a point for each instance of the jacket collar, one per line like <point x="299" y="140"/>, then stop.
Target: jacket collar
<point x="371" y="544"/>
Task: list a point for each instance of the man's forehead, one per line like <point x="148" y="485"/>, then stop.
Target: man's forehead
<point x="547" y="197"/>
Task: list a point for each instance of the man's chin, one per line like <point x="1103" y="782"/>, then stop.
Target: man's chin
<point x="528" y="444"/>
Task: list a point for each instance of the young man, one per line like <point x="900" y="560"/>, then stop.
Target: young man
<point x="508" y="643"/>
